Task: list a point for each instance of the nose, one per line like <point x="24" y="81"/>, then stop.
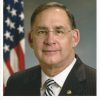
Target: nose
<point x="50" y="38"/>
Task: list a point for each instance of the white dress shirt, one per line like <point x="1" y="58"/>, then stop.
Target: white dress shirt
<point x="59" y="79"/>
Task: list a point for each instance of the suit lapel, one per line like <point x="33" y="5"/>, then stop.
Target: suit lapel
<point x="73" y="84"/>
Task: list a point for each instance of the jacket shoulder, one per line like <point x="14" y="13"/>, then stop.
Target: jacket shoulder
<point x="25" y="73"/>
<point x="89" y="84"/>
<point x="20" y="81"/>
<point x="90" y="72"/>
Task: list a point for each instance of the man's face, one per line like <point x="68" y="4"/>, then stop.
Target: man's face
<point x="53" y="38"/>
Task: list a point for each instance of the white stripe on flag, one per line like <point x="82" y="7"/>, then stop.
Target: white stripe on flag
<point x="14" y="61"/>
<point x="22" y="42"/>
<point x="6" y="74"/>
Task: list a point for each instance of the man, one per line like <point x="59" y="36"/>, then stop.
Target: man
<point x="54" y="37"/>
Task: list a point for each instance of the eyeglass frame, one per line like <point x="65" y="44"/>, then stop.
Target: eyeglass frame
<point x="46" y="31"/>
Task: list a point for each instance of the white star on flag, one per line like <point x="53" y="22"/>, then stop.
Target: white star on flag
<point x="22" y="3"/>
<point x="11" y="38"/>
<point x="12" y="25"/>
<point x="6" y="48"/>
<point x="20" y="29"/>
<point x="7" y="35"/>
<point x="8" y="21"/>
<point x="15" y="1"/>
<point x="13" y="12"/>
<point x="21" y="16"/>
<point x="8" y="8"/>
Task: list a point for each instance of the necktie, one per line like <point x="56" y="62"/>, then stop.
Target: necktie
<point x="49" y="90"/>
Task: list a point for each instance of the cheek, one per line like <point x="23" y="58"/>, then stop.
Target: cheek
<point x="37" y="47"/>
<point x="37" y="44"/>
<point x="67" y="43"/>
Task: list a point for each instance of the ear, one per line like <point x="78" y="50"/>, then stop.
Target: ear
<point x="30" y="40"/>
<point x="76" y="37"/>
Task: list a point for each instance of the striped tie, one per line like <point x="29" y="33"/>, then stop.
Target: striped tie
<point x="49" y="91"/>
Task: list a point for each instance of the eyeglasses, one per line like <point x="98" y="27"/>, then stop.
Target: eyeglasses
<point x="42" y="33"/>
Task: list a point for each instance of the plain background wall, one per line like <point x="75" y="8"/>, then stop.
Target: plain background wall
<point x="84" y="12"/>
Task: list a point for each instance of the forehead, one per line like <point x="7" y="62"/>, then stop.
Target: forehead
<point x="52" y="15"/>
<point x="53" y="10"/>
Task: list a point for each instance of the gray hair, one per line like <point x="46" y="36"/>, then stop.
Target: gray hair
<point x="50" y="5"/>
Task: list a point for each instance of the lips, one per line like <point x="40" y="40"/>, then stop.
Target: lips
<point x="50" y="52"/>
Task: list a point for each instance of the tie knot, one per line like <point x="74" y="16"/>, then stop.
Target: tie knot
<point x="49" y="82"/>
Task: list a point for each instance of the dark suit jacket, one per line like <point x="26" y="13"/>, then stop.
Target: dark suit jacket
<point x="81" y="81"/>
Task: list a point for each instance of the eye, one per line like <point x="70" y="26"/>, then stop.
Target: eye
<point x="59" y="31"/>
<point x="40" y="32"/>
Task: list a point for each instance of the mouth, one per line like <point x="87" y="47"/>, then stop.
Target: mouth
<point x="50" y="52"/>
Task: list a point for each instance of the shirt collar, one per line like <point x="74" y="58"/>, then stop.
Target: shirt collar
<point x="59" y="78"/>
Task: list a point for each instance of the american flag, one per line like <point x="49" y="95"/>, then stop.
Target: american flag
<point x="13" y="45"/>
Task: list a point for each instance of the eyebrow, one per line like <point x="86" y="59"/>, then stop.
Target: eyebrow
<point x="59" y="27"/>
<point x="41" y="27"/>
<point x="44" y="27"/>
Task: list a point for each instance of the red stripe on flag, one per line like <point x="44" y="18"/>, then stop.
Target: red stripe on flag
<point x="20" y="55"/>
<point x="9" y="66"/>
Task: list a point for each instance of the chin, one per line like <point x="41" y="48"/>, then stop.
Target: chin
<point x="54" y="60"/>
<point x="51" y="63"/>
